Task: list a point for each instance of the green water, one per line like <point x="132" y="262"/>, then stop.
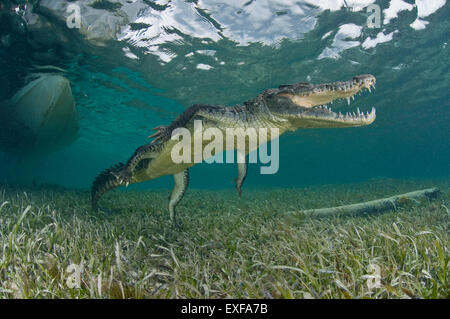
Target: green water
<point x="120" y="99"/>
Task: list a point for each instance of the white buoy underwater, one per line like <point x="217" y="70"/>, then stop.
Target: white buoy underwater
<point x="39" y="118"/>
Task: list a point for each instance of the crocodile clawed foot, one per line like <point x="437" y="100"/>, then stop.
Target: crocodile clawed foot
<point x="239" y="190"/>
<point x="177" y="224"/>
<point x="238" y="187"/>
<point x="123" y="177"/>
<point x="160" y="132"/>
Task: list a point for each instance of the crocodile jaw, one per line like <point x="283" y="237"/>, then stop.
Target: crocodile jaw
<point x="324" y="117"/>
<point x="304" y="105"/>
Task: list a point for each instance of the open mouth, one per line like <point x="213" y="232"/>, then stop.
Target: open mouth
<point x="347" y="91"/>
<point x="315" y="99"/>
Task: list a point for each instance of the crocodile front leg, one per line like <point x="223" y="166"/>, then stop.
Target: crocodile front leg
<point x="181" y="183"/>
<point x="242" y="170"/>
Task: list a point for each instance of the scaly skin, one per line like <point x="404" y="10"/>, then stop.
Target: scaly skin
<point x="288" y="108"/>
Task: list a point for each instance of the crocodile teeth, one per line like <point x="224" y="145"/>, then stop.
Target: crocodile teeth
<point x="369" y="89"/>
<point x="372" y="113"/>
<point x="348" y="101"/>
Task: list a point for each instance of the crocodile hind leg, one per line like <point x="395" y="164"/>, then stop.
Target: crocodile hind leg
<point x="242" y="171"/>
<point x="181" y="183"/>
<point x="108" y="180"/>
<point x="104" y="182"/>
<point x="141" y="156"/>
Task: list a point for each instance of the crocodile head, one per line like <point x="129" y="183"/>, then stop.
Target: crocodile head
<point x="304" y="105"/>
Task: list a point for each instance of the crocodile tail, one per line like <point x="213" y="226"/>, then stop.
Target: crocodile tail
<point x="104" y="182"/>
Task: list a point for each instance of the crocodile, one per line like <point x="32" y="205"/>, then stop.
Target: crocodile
<point x="287" y="108"/>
